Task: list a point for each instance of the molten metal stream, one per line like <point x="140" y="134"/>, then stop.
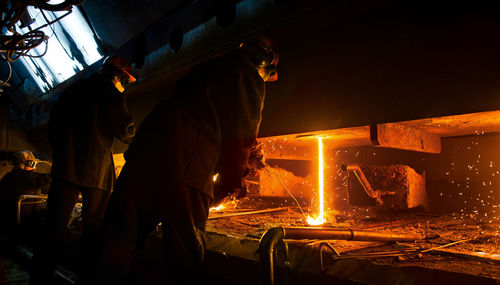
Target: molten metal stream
<point x="320" y="219"/>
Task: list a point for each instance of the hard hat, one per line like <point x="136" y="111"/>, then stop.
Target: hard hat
<point x="263" y="56"/>
<point x="23" y="157"/>
<point x="121" y="64"/>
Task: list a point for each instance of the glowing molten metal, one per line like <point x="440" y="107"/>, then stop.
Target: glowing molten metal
<point x="320" y="219"/>
<point x="230" y="202"/>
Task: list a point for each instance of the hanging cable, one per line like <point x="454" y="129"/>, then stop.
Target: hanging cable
<point x="68" y="53"/>
<point x="48" y="22"/>
<point x="268" y="169"/>
<point x="16" y="45"/>
<point x="6" y="82"/>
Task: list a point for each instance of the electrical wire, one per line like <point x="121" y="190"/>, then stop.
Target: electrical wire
<point x="40" y="55"/>
<point x="68" y="53"/>
<point x="12" y="47"/>
<point x="10" y="73"/>
<point x="15" y="46"/>
<point x="6" y="82"/>
<point x="48" y="22"/>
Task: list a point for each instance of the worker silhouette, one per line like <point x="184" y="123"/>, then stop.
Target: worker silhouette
<point x="22" y="180"/>
<point x="207" y="126"/>
<point x="86" y="119"/>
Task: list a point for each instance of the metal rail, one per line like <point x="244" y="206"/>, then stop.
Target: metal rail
<point x="282" y="209"/>
<point x="20" y="199"/>
<point x="274" y="239"/>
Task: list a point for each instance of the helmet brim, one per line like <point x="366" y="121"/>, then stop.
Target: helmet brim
<point x="130" y="77"/>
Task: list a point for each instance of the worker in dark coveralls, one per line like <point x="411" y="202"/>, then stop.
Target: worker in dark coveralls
<point x="22" y="180"/>
<point x="207" y="126"/>
<point x="87" y="117"/>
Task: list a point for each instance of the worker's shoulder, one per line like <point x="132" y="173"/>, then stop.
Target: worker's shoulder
<point x="233" y="58"/>
<point x="82" y="90"/>
<point x="220" y="63"/>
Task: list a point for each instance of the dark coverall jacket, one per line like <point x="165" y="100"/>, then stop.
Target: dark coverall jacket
<point x="14" y="184"/>
<point x="86" y="118"/>
<point x="209" y="125"/>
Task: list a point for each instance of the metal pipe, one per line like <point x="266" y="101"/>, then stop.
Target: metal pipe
<point x="364" y="181"/>
<point x="276" y="236"/>
<point x="324" y="246"/>
<point x="282" y="209"/>
<point x="347" y="234"/>
<point x="269" y="240"/>
<point x="21" y="198"/>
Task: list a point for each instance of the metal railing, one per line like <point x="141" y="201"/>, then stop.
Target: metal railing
<point x="34" y="199"/>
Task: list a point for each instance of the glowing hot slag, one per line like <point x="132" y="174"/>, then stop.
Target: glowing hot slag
<point x="320" y="219"/>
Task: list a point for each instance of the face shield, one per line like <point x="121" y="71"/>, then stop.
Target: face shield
<point x="270" y="72"/>
<point x="25" y="158"/>
<point x="264" y="58"/>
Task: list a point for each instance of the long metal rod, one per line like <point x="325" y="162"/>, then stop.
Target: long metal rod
<point x="485" y="256"/>
<point x="446" y="245"/>
<point x="282" y="209"/>
<point x="402" y="252"/>
<point x="231" y="210"/>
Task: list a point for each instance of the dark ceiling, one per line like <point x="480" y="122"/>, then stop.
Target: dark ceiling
<point x="342" y="63"/>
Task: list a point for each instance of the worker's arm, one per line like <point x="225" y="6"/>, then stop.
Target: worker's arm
<point x="243" y="121"/>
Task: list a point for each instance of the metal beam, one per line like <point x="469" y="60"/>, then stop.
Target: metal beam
<point x="398" y="136"/>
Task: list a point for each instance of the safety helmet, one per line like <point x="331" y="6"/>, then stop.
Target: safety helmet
<point x="121" y="64"/>
<point x="25" y="157"/>
<point x="263" y="56"/>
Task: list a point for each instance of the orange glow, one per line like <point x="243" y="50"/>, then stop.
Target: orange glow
<point x="230" y="202"/>
<point x="218" y="208"/>
<point x="320" y="219"/>
<point x="215" y="178"/>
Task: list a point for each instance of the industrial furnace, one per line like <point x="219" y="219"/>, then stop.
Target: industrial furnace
<point x="396" y="197"/>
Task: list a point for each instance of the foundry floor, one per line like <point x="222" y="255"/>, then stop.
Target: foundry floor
<point x="232" y="242"/>
<point x="476" y="254"/>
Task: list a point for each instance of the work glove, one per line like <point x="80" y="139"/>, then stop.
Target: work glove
<point x="257" y="158"/>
